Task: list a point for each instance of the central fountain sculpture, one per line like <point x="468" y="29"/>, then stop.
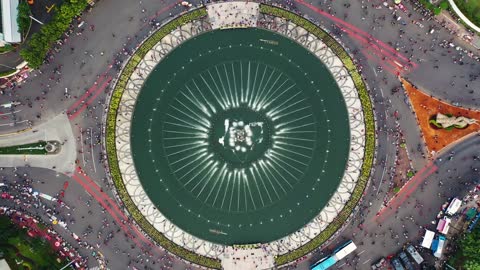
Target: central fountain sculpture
<point x="240" y="137"/>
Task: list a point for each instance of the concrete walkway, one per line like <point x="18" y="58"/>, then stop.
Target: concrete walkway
<point x="59" y="129"/>
<point x="233" y="14"/>
<point x="460" y="14"/>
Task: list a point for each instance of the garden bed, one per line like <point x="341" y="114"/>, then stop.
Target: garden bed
<point x="37" y="148"/>
<point x="425" y="106"/>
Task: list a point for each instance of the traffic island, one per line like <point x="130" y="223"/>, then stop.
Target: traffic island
<point x="37" y="148"/>
<point x="236" y="135"/>
<point x="427" y="108"/>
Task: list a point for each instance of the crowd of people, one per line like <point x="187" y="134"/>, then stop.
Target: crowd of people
<point x="19" y="187"/>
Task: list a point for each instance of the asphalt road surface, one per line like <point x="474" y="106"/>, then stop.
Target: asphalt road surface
<point x="85" y="60"/>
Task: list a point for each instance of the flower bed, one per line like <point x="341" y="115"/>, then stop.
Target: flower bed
<point x="129" y="68"/>
<point x="369" y="126"/>
<point x="427" y="107"/>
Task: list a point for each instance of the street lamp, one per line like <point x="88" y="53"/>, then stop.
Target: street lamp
<point x="33" y="18"/>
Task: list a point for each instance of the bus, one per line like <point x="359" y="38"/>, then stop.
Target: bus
<point x="439" y="246"/>
<point x="342" y="251"/>
<point x="338" y="254"/>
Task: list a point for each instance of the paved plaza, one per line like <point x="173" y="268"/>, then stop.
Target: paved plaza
<point x="238" y="128"/>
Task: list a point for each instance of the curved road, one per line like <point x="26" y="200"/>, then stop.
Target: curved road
<point x="78" y="79"/>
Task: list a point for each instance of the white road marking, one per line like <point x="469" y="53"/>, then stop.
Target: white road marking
<point x="367" y="261"/>
<point x="342" y="265"/>
<point x="10" y="112"/>
<point x="383" y="174"/>
<point x="13" y="123"/>
<point x="91" y="151"/>
<point x="361" y="252"/>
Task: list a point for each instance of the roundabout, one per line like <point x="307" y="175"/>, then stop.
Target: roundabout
<point x="254" y="135"/>
<point x="241" y="138"/>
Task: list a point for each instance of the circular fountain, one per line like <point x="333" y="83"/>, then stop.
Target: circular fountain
<point x="245" y="137"/>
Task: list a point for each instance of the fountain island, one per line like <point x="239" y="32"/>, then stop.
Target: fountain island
<point x="228" y="134"/>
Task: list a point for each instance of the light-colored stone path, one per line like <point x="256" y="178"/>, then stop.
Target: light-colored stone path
<point x="247" y="259"/>
<point x="233" y="14"/>
<point x="57" y="129"/>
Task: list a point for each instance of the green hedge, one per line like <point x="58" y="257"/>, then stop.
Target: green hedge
<point x="7" y="73"/>
<point x="17" y="149"/>
<point x="40" y="43"/>
<point x="369" y="127"/>
<point x="23" y="19"/>
<point x="112" y="151"/>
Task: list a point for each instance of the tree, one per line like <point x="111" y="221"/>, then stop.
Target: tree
<point x="444" y="4"/>
<point x="470" y="265"/>
<point x="468" y="251"/>
<point x="23" y="18"/>
<point x="39" y="44"/>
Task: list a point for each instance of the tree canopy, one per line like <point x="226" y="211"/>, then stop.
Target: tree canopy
<point x="469" y="250"/>
<point x="40" y="43"/>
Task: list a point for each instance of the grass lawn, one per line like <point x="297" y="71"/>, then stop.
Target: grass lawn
<point x="27" y="250"/>
<point x="471" y="9"/>
<point x="37" y="148"/>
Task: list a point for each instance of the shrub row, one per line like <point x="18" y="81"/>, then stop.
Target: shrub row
<point x="357" y="194"/>
<point x="23" y="17"/>
<point x="24" y="149"/>
<point x="129" y="68"/>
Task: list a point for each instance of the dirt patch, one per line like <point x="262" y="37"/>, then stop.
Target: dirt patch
<point x="426" y="106"/>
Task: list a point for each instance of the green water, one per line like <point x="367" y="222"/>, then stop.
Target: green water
<point x="237" y="139"/>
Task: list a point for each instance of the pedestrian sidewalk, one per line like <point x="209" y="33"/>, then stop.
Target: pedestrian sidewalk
<point x="56" y="129"/>
<point x="471" y="42"/>
<point x="233" y="14"/>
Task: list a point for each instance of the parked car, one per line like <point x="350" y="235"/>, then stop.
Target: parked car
<point x="380" y="264"/>
<point x="397" y="264"/>
<point x="415" y="255"/>
<point x="406" y="261"/>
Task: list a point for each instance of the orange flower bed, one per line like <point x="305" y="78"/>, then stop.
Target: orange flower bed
<point x="426" y="107"/>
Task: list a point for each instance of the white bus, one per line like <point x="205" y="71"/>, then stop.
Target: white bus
<point x="344" y="251"/>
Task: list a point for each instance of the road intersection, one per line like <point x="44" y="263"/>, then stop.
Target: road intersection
<point x="77" y="82"/>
